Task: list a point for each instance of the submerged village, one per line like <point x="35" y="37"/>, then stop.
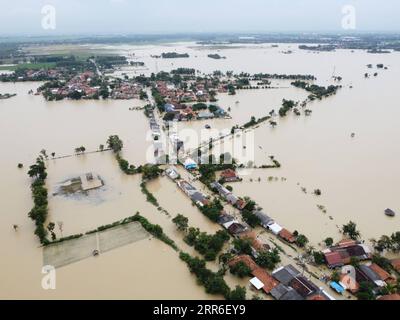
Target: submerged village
<point x="263" y="258"/>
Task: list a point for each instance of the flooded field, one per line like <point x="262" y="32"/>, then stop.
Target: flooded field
<point x="358" y="176"/>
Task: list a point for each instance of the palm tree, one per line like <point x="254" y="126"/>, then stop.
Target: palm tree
<point x="350" y="229"/>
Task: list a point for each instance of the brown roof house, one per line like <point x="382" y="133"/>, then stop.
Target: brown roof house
<point x="287" y="235"/>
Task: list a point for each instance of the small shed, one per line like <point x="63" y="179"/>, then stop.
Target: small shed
<point x="275" y="228"/>
<point x="257" y="283"/>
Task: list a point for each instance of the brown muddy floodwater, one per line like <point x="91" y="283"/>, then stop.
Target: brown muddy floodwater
<point x="358" y="176"/>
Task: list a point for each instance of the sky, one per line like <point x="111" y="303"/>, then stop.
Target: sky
<point x="25" y="17"/>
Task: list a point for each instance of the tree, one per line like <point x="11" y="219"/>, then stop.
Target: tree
<point x="350" y="230"/>
<point x="242" y="246"/>
<point x="20" y="165"/>
<point x="216" y="284"/>
<point x="240" y="269"/>
<point x="115" y="143"/>
<point x="301" y="240"/>
<point x="150" y="171"/>
<point x="328" y="241"/>
<point x="250" y="218"/>
<point x="317" y="192"/>
<point x="365" y="292"/>
<point x="181" y="222"/>
<point x="268" y="259"/>
<point x="44" y="153"/>
<point x="53" y="154"/>
<point x="239" y="293"/>
<point x="335" y="276"/>
<point x="319" y="257"/>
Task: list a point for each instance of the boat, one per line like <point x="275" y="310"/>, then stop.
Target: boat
<point x="390" y="213"/>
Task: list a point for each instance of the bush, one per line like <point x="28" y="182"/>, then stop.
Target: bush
<point x="240" y="269"/>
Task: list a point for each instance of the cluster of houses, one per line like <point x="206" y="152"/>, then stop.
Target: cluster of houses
<point x="196" y="196"/>
<point x="342" y="254"/>
<point x="285" y="283"/>
<point x="266" y="222"/>
<point x="183" y="112"/>
<point x="31" y="74"/>
<point x="288" y="283"/>
<point x="199" y="91"/>
<point x="228" y="195"/>
<point x="78" y="84"/>
<point x="126" y="90"/>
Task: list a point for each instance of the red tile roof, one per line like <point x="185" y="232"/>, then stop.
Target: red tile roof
<point x="382" y="274"/>
<point x="333" y="258"/>
<point x="287" y="235"/>
<point x="317" y="297"/>
<point x="347" y="243"/>
<point x="228" y="173"/>
<point x="396" y="264"/>
<point x="394" y="296"/>
<point x="268" y="281"/>
<point x="247" y="260"/>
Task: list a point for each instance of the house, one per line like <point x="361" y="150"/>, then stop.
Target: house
<point x="229" y="175"/>
<point x="89" y="181"/>
<point x="285" y="274"/>
<point x="394" y="296"/>
<point x="295" y="286"/>
<point x="333" y="259"/>
<point x="365" y="274"/>
<point x="303" y="286"/>
<point x="224" y="192"/>
<point x="236" y="228"/>
<point x="264" y="219"/>
<point x="257" y="245"/>
<point x="349" y="283"/>
<point x="268" y="281"/>
<point x="395" y="264"/>
<point x="287" y="235"/>
<point x="186" y="187"/>
<point x="246" y="259"/>
<point x="275" y="228"/>
<point x="240" y="204"/>
<point x="382" y="274"/>
<point x="226" y="225"/>
<point x="342" y="254"/>
<point x="232" y="199"/>
<point x="199" y="198"/>
<point x="224" y="218"/>
<point x="190" y="164"/>
<point x="285" y="293"/>
<point x="257" y="283"/>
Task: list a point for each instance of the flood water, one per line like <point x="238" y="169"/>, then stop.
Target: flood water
<point x="358" y="176"/>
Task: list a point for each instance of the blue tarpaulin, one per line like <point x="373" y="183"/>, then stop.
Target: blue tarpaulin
<point x="337" y="287"/>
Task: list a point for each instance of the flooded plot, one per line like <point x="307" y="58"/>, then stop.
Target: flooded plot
<point x="120" y="236"/>
<point x="67" y="252"/>
<point x="64" y="253"/>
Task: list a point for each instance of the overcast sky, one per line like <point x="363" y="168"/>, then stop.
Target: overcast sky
<point x="171" y="16"/>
